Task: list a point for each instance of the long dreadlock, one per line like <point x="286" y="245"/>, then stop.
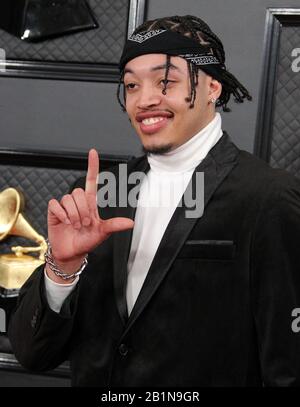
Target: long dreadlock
<point x="195" y="28"/>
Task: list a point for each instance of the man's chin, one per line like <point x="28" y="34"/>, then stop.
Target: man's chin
<point x="158" y="150"/>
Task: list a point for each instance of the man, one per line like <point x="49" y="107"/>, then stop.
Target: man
<point x="166" y="299"/>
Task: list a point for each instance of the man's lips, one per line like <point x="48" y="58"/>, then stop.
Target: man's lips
<point x="152" y="121"/>
<point x="156" y="113"/>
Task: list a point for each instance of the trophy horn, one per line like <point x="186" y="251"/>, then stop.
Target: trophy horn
<point x="16" y="268"/>
<point x="12" y="222"/>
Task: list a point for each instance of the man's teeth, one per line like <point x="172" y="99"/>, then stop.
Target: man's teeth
<point x="152" y="120"/>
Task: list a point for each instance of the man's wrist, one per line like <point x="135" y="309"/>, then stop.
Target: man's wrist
<point x="58" y="279"/>
<point x="67" y="271"/>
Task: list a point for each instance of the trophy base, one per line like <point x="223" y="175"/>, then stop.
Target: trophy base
<point x="14" y="271"/>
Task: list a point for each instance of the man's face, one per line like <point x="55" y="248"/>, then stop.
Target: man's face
<point x="164" y="122"/>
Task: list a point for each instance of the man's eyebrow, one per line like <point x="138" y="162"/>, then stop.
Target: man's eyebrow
<point x="156" y="68"/>
<point x="164" y="66"/>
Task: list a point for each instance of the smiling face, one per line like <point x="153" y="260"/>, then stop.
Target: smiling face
<point x="164" y="122"/>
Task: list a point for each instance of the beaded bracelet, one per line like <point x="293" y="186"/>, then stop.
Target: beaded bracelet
<point x="53" y="266"/>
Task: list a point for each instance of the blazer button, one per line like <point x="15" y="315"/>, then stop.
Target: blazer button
<point x="33" y="321"/>
<point x="123" y="349"/>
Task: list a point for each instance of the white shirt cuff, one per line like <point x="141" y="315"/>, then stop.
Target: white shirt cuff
<point x="57" y="293"/>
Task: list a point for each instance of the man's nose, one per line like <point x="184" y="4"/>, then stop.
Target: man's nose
<point x="149" y="97"/>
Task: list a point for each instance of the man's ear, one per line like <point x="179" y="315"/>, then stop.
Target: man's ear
<point x="215" y="88"/>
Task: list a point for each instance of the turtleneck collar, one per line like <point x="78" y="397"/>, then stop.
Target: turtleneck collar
<point x="187" y="156"/>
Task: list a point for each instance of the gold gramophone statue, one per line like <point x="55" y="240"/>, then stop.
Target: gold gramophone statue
<point x="16" y="267"/>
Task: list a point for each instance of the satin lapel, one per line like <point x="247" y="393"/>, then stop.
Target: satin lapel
<point x="216" y="166"/>
<point x="122" y="242"/>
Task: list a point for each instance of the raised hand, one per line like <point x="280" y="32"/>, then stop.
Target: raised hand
<point x="74" y="225"/>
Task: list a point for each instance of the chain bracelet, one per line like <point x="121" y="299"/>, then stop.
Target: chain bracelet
<point x="53" y="266"/>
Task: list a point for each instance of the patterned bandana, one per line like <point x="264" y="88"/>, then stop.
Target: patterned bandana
<point x="172" y="43"/>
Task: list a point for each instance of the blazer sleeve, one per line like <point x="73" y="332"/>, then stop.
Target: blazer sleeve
<point x="275" y="283"/>
<point x="39" y="336"/>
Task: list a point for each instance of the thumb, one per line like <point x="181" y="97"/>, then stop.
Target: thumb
<point x="117" y="225"/>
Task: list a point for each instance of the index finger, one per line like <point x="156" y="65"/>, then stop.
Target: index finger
<point x="92" y="172"/>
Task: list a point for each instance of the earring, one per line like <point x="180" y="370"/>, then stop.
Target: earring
<point x="213" y="100"/>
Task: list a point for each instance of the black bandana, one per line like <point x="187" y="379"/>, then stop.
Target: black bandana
<point x="171" y="43"/>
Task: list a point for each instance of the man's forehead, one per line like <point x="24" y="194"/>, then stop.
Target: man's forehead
<point x="154" y="62"/>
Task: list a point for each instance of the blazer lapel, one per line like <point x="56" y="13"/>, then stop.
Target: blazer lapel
<point x="122" y="242"/>
<point x="216" y="166"/>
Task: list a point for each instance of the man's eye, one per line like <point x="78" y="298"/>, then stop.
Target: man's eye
<point x="130" y="86"/>
<point x="166" y="82"/>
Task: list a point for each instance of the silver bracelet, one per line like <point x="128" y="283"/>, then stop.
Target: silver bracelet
<point x="53" y="266"/>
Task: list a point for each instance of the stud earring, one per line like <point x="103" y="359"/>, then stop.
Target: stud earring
<point x="213" y="100"/>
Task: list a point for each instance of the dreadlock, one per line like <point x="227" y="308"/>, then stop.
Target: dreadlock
<point x="195" y="28"/>
<point x="168" y="63"/>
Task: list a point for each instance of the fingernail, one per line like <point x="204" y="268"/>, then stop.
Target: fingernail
<point x="86" y="221"/>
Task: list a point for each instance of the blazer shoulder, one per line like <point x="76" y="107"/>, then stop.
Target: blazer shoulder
<point x="264" y="180"/>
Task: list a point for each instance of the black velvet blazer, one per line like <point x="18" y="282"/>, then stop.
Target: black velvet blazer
<point x="216" y="308"/>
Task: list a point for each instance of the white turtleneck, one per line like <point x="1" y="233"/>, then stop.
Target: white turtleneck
<point x="160" y="193"/>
